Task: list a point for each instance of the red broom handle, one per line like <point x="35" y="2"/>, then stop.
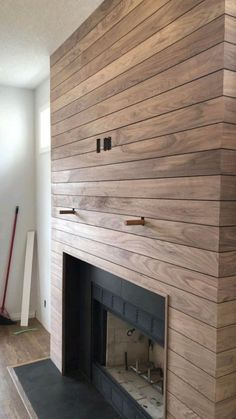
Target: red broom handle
<point x="9" y="260"/>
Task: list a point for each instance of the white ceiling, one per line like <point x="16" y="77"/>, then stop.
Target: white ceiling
<point x="30" y="30"/>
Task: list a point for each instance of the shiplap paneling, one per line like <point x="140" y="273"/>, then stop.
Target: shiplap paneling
<point x="159" y="78"/>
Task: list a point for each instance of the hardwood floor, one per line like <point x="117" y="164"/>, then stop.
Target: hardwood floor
<point x="17" y="350"/>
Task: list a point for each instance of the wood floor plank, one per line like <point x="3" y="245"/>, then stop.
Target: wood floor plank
<point x="24" y="348"/>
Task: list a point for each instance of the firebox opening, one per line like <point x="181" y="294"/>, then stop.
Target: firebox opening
<point x="115" y="335"/>
<point x="136" y="363"/>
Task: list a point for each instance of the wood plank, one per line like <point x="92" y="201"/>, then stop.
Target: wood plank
<point x="197" y="139"/>
<point x="228" y="137"/>
<point x="229" y="56"/>
<point x="127" y="16"/>
<point x="201" y="187"/>
<point x="226" y="409"/>
<point x="227" y="313"/>
<point x="228" y="165"/>
<point x="227" y="263"/>
<point x="199" y="16"/>
<point x="230" y="29"/>
<point x="226" y="387"/>
<point x="80" y="71"/>
<point x="199" y="212"/>
<point x="200" y="114"/>
<point x="194" y="235"/>
<point x="197" y="378"/>
<point x="227" y="213"/>
<point x="227" y="289"/>
<point x="226" y="362"/>
<point x="188" y="326"/>
<point x="190" y="397"/>
<point x="203" y="89"/>
<point x="104" y="9"/>
<point x="190" y="304"/>
<point x="195" y="283"/>
<point x="206" y="163"/>
<point x="176" y="407"/>
<point x="188" y="47"/>
<point x="193" y="329"/>
<point x="228" y="192"/>
<point x="230" y="7"/>
<point x="229" y="109"/>
<point x="192" y="69"/>
<point x="226" y="338"/>
<point x="229" y="83"/>
<point x="193" y="352"/>
<point x="203" y="261"/>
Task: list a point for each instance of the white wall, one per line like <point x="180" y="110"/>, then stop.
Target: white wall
<point x="17" y="185"/>
<point x="43" y="211"/>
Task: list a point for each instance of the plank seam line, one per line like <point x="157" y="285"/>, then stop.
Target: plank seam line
<point x="116" y="24"/>
<point x="165" y="92"/>
<point x="83" y="36"/>
<point x="135" y="65"/>
<point x="212" y="99"/>
<point x="129" y="49"/>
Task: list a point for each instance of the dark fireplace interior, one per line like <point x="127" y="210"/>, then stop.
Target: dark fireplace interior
<point x="114" y="334"/>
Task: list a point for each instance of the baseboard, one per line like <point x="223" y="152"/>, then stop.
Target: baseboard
<point x="17" y="316"/>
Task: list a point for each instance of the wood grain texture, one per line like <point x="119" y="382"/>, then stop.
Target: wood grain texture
<point x="188" y="47"/>
<point x="84" y="28"/>
<point x="157" y="21"/>
<point x="137" y="15"/>
<point x="194" y="235"/>
<point x="26" y="348"/>
<point x="183" y="26"/>
<point x="159" y="78"/>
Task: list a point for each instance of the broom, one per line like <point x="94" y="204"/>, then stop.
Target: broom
<point x="4" y="316"/>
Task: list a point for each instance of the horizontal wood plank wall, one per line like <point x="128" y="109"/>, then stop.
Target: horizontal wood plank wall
<point x="159" y="77"/>
<point x="226" y="378"/>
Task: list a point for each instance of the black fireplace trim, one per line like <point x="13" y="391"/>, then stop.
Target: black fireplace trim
<point x="86" y="286"/>
<point x="125" y="405"/>
<point x="151" y="325"/>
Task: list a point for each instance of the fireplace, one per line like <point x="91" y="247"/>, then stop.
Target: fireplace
<point x="114" y="333"/>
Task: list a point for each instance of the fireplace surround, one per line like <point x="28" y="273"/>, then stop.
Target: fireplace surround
<point x="114" y="333"/>
<point x="158" y="208"/>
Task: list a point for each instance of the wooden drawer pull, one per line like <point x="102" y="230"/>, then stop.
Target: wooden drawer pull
<point x="140" y="222"/>
<point x="72" y="211"/>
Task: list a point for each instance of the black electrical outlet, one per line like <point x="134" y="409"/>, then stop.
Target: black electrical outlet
<point x="98" y="145"/>
<point x="107" y="143"/>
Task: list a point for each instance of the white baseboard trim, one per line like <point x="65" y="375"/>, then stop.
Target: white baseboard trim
<point x="17" y="316"/>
